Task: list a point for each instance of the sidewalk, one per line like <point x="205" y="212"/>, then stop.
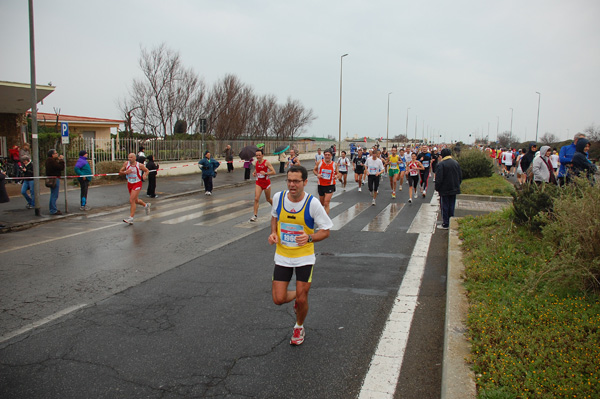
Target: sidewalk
<point x="175" y="180"/>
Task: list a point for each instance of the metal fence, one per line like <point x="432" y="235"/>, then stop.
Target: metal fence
<point x="100" y="150"/>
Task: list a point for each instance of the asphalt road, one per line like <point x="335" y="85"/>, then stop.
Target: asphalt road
<point x="179" y="304"/>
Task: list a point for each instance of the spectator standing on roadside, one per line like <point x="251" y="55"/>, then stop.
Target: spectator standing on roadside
<point x="282" y="162"/>
<point x="25" y="151"/>
<point x="542" y="167"/>
<point x="55" y="164"/>
<point x="82" y="168"/>
<point x="247" y="168"/>
<point x="580" y="162"/>
<point x="447" y="184"/>
<point x="209" y="167"/>
<point x="565" y="157"/>
<point x="527" y="159"/>
<point x="319" y="156"/>
<point x="229" y="158"/>
<point x="555" y="160"/>
<point x="152" y="172"/>
<point x="3" y="194"/>
<point x="27" y="172"/>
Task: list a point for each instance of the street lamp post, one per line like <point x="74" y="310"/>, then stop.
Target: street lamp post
<point x="538" y="116"/>
<point x="511" y="120"/>
<point x="407" y="122"/>
<point x="34" y="127"/>
<point x="340" y="127"/>
<point x="387" y="132"/>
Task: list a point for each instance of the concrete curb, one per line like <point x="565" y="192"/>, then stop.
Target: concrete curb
<point x="457" y="377"/>
<point x="485" y="198"/>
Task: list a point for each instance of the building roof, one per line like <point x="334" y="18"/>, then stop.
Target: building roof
<point x="51" y="118"/>
<point x="15" y="98"/>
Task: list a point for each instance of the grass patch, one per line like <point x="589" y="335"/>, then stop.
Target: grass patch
<point x="494" y="185"/>
<point x="527" y="340"/>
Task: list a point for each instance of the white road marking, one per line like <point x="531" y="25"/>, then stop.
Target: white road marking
<point x="196" y="215"/>
<point x="384" y="218"/>
<point x="348" y="215"/>
<point x="41" y="322"/>
<point x="59" y="238"/>
<point x="382" y="377"/>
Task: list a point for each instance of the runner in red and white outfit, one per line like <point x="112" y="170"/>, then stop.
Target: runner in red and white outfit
<point x="327" y="172"/>
<point x="133" y="171"/>
<point x="413" y="167"/>
<point x="262" y="170"/>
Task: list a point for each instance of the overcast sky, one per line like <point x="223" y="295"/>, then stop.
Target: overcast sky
<point x="459" y="65"/>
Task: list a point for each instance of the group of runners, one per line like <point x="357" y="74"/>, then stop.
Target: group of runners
<point x="298" y="220"/>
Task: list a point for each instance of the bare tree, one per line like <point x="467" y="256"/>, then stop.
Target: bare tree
<point x="549" y="138"/>
<point x="504" y="139"/>
<point x="229" y="108"/>
<point x="291" y="119"/>
<point x="166" y="94"/>
<point x="592" y="132"/>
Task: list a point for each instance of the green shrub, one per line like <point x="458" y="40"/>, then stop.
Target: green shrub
<point x="474" y="163"/>
<point x="532" y="201"/>
<point x="573" y="230"/>
<point x="109" y="167"/>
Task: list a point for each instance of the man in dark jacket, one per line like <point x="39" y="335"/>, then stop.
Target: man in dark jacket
<point x="566" y="156"/>
<point x="447" y="183"/>
<point x="527" y="159"/>
<point x="55" y="164"/>
<point x="581" y="165"/>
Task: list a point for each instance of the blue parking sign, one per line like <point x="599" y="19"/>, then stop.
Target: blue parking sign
<point x="64" y="129"/>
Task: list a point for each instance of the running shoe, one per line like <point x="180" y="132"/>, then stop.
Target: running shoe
<point x="359" y="189"/>
<point x="409" y="200"/>
<point x="147" y="208"/>
<point x="206" y="193"/>
<point x="209" y="193"/>
<point x="415" y="196"/>
<point x="442" y="227"/>
<point x="424" y="194"/>
<point x="298" y="336"/>
<point x="129" y="220"/>
<point x="393" y="195"/>
<point x="253" y="218"/>
<point x="400" y="187"/>
<point x="373" y="203"/>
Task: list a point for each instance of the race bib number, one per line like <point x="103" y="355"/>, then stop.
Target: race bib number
<point x="393" y="165"/>
<point x="425" y="164"/>
<point x="373" y="170"/>
<point x="289" y="232"/>
<point x="260" y="176"/>
<point x="413" y="172"/>
<point x="326" y="173"/>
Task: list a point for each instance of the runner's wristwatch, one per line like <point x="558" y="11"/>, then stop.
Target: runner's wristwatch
<point x="309" y="238"/>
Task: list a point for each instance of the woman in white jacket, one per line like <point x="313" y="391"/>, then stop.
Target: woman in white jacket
<point x="543" y="172"/>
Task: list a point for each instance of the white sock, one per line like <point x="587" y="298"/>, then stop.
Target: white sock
<point x="297" y="326"/>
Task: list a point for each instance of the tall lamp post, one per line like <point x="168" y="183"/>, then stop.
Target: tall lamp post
<point x="34" y="127"/>
<point x="340" y="131"/>
<point x="511" y="120"/>
<point x="407" y="122"/>
<point x="387" y="132"/>
<point x="538" y="117"/>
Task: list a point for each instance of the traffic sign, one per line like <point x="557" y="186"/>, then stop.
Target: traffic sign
<point x="64" y="129"/>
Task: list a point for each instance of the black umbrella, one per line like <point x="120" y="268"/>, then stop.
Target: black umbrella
<point x="280" y="149"/>
<point x="248" y="152"/>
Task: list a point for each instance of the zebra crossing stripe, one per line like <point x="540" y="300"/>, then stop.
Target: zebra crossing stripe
<point x="232" y="215"/>
<point x="384" y="218"/>
<point x="196" y="215"/>
<point x="348" y="215"/>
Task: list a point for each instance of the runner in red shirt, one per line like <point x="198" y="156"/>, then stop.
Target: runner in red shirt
<point x="133" y="171"/>
<point x="262" y="170"/>
<point x="327" y="172"/>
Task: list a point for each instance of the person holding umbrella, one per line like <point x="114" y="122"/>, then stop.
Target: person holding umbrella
<point x="247" y="155"/>
<point x="282" y="157"/>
